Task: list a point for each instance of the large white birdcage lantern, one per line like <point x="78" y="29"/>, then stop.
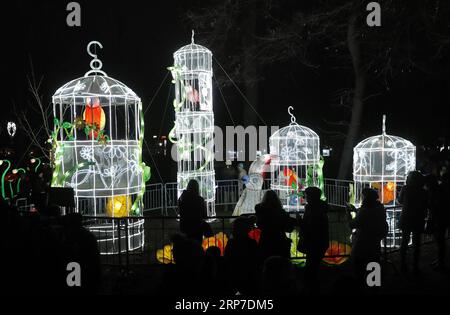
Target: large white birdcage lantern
<point x="295" y="164"/>
<point x="383" y="162"/>
<point x="97" y="144"/>
<point x="194" y="120"/>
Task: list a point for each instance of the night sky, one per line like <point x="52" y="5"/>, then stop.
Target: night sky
<point x="139" y="39"/>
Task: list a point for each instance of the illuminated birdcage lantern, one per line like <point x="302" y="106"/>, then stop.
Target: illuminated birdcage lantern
<point x="194" y="120"/>
<point x="383" y="162"/>
<point x="97" y="145"/>
<point x="296" y="163"/>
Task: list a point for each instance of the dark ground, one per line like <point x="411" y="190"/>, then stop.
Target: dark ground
<point x="145" y="274"/>
<point x="145" y="279"/>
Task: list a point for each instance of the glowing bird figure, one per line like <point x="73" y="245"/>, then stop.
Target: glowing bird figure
<point x="94" y="115"/>
<point x="291" y="178"/>
<point x="192" y="94"/>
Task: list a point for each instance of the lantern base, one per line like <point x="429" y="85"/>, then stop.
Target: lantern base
<point x="117" y="235"/>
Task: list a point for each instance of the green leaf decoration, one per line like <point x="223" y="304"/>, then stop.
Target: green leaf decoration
<point x="67" y="125"/>
<point x="147" y="172"/>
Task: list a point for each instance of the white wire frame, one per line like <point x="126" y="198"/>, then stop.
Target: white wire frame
<point x="194" y="125"/>
<point x="382" y="162"/>
<point x="117" y="170"/>
<point x="294" y="149"/>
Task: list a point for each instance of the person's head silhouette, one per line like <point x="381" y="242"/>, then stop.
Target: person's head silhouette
<point x="271" y="200"/>
<point x="369" y="196"/>
<point x="414" y="178"/>
<point x="313" y="194"/>
<point x="193" y="187"/>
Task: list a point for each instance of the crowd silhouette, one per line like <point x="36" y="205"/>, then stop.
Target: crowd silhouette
<point x="264" y="267"/>
<point x="40" y="244"/>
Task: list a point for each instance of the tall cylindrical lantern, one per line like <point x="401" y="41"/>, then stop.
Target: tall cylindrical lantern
<point x="194" y="120"/>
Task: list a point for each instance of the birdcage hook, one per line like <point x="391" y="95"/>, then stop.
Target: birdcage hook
<point x="293" y="119"/>
<point x="96" y="64"/>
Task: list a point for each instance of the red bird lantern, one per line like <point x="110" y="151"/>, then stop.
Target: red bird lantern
<point x="94" y="115"/>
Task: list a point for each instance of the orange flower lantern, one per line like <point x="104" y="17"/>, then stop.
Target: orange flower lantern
<point x="337" y="253"/>
<point x="220" y="240"/>
<point x="165" y="255"/>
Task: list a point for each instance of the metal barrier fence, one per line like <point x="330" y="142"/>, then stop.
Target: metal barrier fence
<point x="163" y="197"/>
<point x="337" y="192"/>
<point x="228" y="192"/>
<point x="22" y="205"/>
<point x="154" y="198"/>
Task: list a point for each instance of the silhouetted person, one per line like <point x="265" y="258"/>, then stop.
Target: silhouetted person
<point x="273" y="222"/>
<point x="192" y="210"/>
<point x="185" y="277"/>
<point x="441" y="220"/>
<point x="371" y="227"/>
<point x="315" y="237"/>
<point x="413" y="198"/>
<point x="278" y="277"/>
<point x="80" y="246"/>
<point x="241" y="257"/>
<point x="44" y="251"/>
<point x="215" y="272"/>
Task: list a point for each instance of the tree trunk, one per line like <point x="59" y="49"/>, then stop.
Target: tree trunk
<point x="250" y="71"/>
<point x="358" y="97"/>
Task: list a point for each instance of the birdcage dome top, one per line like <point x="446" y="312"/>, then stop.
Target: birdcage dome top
<point x="384" y="142"/>
<point x="192" y="48"/>
<point x="95" y="85"/>
<point x="295" y="144"/>
<point x="383" y="158"/>
<point x="295" y="131"/>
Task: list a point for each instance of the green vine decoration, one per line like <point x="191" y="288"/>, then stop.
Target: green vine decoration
<point x="311" y="172"/>
<point x="79" y="124"/>
<point x="146" y="171"/>
<point x="316" y="170"/>
<point x="351" y="193"/>
<point x="178" y="82"/>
